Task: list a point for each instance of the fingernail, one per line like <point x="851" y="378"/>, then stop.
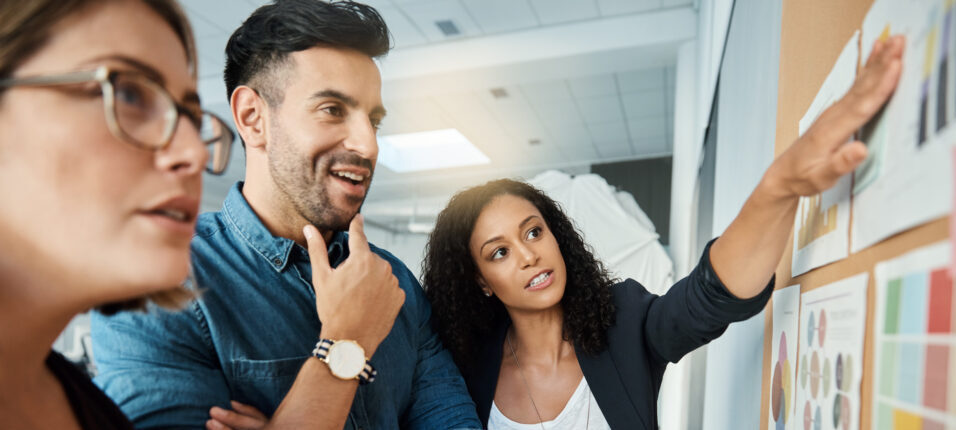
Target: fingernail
<point x="307" y="232"/>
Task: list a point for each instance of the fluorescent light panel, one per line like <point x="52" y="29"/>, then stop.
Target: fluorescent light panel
<point x="428" y="150"/>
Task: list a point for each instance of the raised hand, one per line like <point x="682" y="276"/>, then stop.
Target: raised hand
<point x="359" y="299"/>
<point x="822" y="155"/>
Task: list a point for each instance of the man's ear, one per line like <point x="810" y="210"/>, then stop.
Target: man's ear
<point x="249" y="115"/>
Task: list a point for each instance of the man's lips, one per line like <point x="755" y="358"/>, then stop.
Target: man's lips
<point x="354" y="180"/>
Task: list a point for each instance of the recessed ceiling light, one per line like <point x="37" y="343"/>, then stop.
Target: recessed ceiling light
<point x="428" y="150"/>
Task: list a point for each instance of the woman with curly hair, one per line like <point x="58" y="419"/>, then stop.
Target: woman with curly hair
<point x="545" y="339"/>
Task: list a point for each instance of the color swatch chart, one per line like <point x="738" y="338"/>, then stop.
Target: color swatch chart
<point x="915" y="341"/>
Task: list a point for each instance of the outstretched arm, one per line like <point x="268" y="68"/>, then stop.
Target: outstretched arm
<point x="746" y="255"/>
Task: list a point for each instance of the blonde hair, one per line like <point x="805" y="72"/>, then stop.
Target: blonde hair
<point x="25" y="27"/>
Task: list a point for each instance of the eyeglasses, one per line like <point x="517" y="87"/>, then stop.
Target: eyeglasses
<point x="141" y="112"/>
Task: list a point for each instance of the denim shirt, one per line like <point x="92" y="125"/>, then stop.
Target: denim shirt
<point x="252" y="328"/>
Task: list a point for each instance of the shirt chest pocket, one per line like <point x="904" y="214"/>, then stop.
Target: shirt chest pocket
<point x="264" y="383"/>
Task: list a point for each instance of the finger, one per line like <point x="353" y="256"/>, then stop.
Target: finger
<point x="871" y="90"/>
<point x="357" y="239"/>
<point x="234" y="420"/>
<point x="247" y="410"/>
<point x="318" y="251"/>
<point x="847" y="158"/>
<point x="216" y="425"/>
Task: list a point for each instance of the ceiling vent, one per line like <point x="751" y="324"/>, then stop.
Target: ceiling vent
<point x="448" y="27"/>
<point x="534" y="142"/>
<point x="499" y="93"/>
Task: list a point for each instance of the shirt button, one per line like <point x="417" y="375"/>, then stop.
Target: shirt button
<point x="276" y="261"/>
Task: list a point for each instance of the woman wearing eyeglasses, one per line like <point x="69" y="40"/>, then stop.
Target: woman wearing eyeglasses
<point x="102" y="147"/>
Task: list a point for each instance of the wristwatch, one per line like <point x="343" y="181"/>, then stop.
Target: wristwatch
<point x="346" y="359"/>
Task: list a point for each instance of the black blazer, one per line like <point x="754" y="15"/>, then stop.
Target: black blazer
<point x="648" y="332"/>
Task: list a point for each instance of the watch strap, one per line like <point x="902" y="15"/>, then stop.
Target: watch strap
<point x="321" y="351"/>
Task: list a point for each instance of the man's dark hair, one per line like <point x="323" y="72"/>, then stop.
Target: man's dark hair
<point x="261" y="45"/>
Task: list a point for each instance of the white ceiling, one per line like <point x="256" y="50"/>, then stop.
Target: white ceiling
<point x="590" y="80"/>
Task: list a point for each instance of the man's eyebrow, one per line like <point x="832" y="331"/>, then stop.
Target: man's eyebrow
<point x="350" y="101"/>
<point x="335" y="94"/>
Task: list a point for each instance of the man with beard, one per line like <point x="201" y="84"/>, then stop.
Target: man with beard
<point x="295" y="318"/>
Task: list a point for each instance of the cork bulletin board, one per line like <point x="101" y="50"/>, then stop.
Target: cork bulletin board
<point x="813" y="34"/>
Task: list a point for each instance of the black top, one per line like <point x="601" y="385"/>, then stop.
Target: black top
<point x="648" y="332"/>
<point x="93" y="410"/>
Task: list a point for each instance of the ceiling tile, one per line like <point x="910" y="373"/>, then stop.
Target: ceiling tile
<point x="647" y="126"/>
<point x="637" y="80"/>
<point x="545" y="92"/>
<point x="518" y="119"/>
<point x="672" y="3"/>
<point x="593" y="86"/>
<point x="426" y="14"/>
<point x="571" y="135"/>
<point x="559" y="113"/>
<point x="651" y="145"/>
<point x="558" y="11"/>
<point x="644" y="103"/>
<point x="615" y="151"/>
<point x="621" y="7"/>
<point x="579" y="152"/>
<point x="496" y="16"/>
<point x="600" y="109"/>
<point x="228" y="19"/>
<point x="614" y="133"/>
<point x="404" y="31"/>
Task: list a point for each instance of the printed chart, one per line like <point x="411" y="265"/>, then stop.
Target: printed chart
<point x="822" y="226"/>
<point x="832" y="324"/>
<point x="915" y="342"/>
<point x="786" y="323"/>
<point x="905" y="180"/>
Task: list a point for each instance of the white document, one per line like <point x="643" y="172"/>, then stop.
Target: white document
<point x="822" y="227"/>
<point x="832" y="326"/>
<point x="783" y="347"/>
<point x="914" y="376"/>
<point x="905" y="180"/>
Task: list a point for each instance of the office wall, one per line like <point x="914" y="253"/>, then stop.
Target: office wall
<point x="746" y="126"/>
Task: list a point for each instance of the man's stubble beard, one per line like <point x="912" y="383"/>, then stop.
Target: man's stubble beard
<point x="305" y="187"/>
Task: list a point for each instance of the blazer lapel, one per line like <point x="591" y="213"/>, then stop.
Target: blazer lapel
<point x="608" y="390"/>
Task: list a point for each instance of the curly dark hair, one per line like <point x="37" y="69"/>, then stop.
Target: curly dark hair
<point x="464" y="317"/>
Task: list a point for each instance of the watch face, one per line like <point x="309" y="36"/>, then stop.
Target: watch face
<point x="346" y="359"/>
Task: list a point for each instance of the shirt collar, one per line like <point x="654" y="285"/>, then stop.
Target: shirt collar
<point x="276" y="250"/>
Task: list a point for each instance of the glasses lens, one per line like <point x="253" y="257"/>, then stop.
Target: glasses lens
<point x="143" y="110"/>
<point x="218" y="138"/>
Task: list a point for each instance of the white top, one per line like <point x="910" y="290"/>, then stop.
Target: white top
<point x="573" y="416"/>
